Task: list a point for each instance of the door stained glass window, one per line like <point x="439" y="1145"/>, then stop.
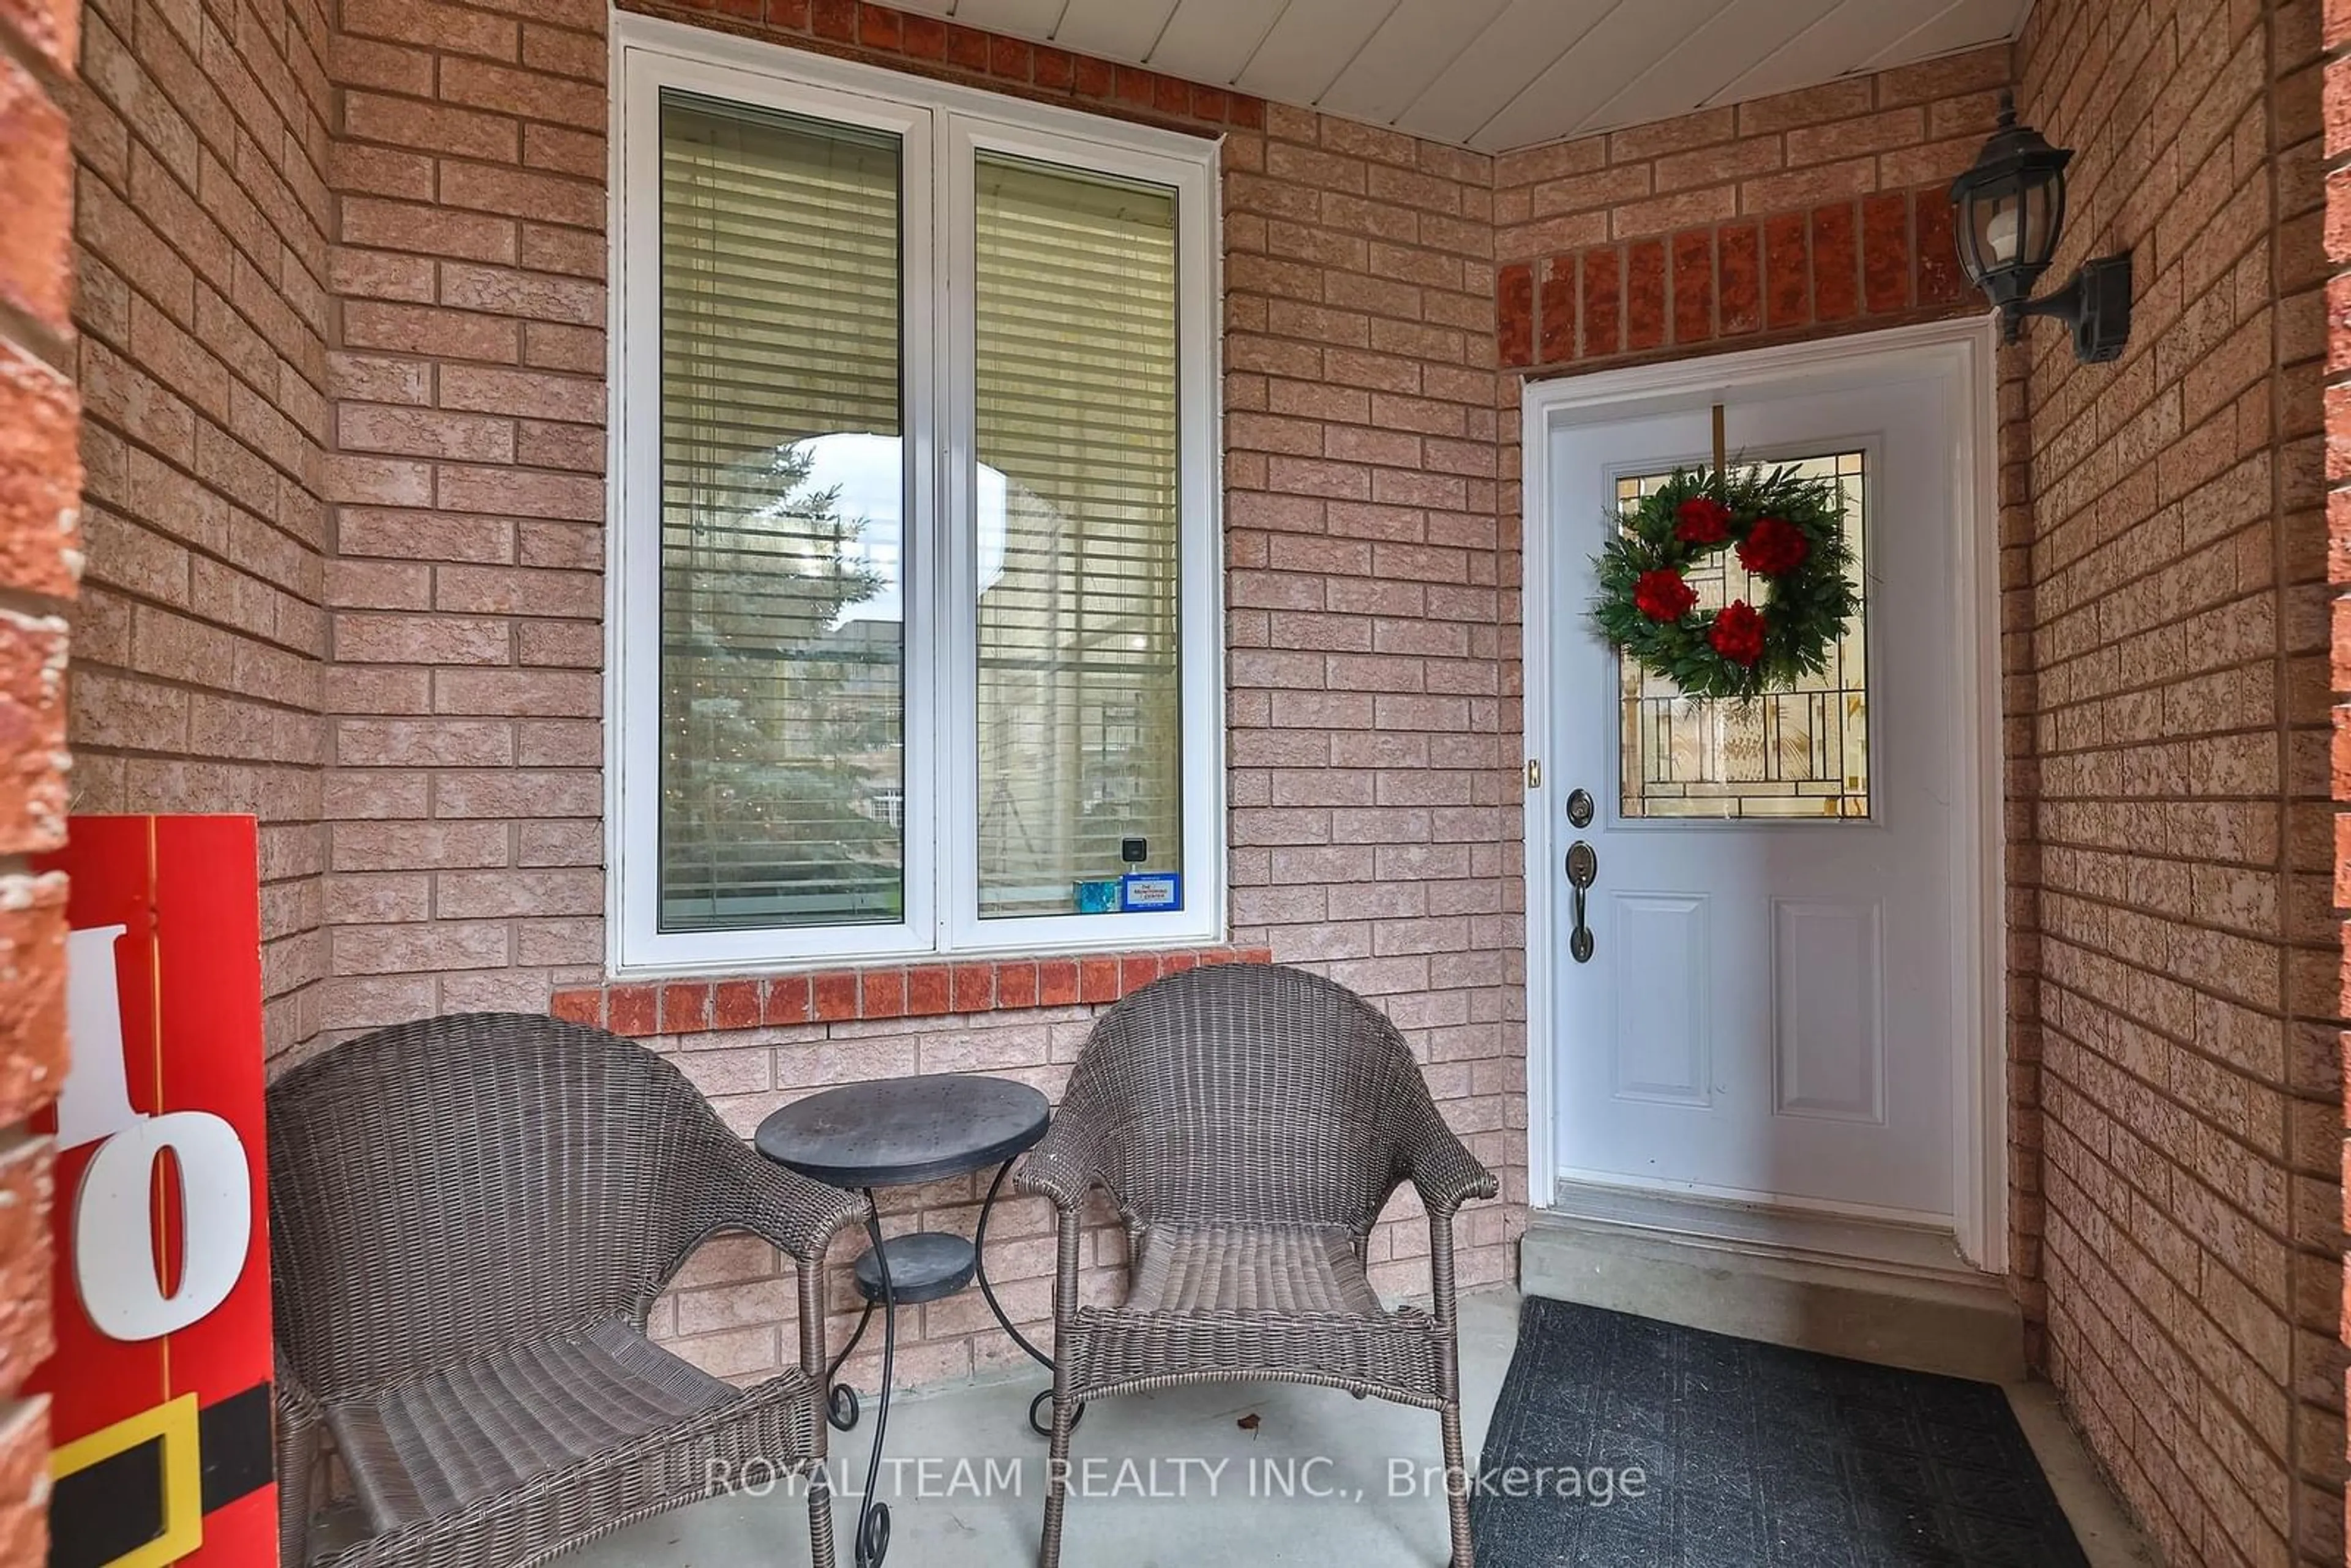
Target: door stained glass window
<point x="1799" y="754"/>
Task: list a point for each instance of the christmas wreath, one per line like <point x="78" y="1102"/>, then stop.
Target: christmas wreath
<point x="1785" y="529"/>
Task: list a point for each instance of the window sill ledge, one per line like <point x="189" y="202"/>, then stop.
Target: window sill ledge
<point x="640" y="1010"/>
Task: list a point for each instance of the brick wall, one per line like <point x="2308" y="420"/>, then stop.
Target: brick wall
<point x="342" y="341"/>
<point x="2169" y="614"/>
<point x="1790" y="217"/>
<point x="464" y="786"/>
<point x="201" y="219"/>
<point x="41" y="481"/>
<point x="1374" y="746"/>
<point x="1371" y="610"/>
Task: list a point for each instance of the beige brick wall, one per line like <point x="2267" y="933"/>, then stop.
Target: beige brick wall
<point x="1854" y="137"/>
<point x="2168" y="619"/>
<point x="464" y="789"/>
<point x="2337" y="97"/>
<point x="1371" y="603"/>
<point x="200" y="136"/>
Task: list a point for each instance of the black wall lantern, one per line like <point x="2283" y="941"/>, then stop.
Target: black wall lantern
<point x="2011" y="213"/>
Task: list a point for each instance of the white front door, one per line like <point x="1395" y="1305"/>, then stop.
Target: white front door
<point x="1770" y="1008"/>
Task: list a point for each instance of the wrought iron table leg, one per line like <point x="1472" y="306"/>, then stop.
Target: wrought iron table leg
<point x="980" y="1257"/>
<point x="841" y="1399"/>
<point x="873" y="1513"/>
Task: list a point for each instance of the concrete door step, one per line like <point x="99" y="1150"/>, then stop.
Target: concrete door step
<point x="1893" y="1295"/>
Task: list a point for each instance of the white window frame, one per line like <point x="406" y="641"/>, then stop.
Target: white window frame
<point x="942" y="128"/>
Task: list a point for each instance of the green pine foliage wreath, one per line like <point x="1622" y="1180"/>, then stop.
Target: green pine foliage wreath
<point x="1786" y="529"/>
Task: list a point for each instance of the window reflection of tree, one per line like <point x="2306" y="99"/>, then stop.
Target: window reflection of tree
<point x="782" y="715"/>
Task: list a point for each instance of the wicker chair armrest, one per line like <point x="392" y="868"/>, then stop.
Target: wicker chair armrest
<point x="300" y="1419"/>
<point x="796" y="1213"/>
<point x="1443" y="1170"/>
<point x="1065" y="1166"/>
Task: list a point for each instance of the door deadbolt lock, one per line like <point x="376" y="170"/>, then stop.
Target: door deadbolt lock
<point x="1579" y="809"/>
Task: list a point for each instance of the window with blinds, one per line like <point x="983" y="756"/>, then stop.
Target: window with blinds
<point x="1081" y="698"/>
<point x="915" y="549"/>
<point x="783" y="710"/>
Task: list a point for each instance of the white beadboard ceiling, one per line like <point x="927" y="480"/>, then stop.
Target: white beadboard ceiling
<point x="1500" y="74"/>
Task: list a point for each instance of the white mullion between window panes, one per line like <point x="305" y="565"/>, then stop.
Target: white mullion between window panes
<point x="956" y="800"/>
<point x="919" y="280"/>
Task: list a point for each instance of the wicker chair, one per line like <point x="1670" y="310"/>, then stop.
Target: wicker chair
<point x="1249" y="1123"/>
<point x="470" y="1218"/>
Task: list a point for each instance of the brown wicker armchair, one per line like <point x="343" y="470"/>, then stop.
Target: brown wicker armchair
<point x="470" y="1218"/>
<point x="1249" y="1123"/>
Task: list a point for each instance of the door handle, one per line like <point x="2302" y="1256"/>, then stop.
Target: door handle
<point x="1582" y="870"/>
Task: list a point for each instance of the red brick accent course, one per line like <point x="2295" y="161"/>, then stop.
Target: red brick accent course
<point x="1818" y="210"/>
<point x="932" y="45"/>
<point x="646" y="1009"/>
<point x="1885" y="255"/>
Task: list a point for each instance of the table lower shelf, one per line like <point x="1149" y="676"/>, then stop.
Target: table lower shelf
<point x="927" y="1266"/>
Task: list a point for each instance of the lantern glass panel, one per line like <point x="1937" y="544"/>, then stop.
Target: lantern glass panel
<point x="1994" y="217"/>
<point x="2042" y="212"/>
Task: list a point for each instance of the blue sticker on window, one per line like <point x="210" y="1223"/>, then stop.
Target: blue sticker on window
<point x="1153" y="891"/>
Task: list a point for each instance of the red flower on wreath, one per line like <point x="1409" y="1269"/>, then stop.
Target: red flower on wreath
<point x="1663" y="595"/>
<point x="1772" y="547"/>
<point x="1738" y="633"/>
<point x="1702" y="520"/>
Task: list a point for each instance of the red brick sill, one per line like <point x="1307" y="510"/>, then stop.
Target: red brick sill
<point x="639" y="1009"/>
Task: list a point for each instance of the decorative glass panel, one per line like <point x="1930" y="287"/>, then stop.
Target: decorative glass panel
<point x="1790" y="755"/>
<point x="1081" y="723"/>
<point x="783" y="707"/>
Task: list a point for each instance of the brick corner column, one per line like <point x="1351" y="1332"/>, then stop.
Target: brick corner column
<point x="2337" y="91"/>
<point x="40" y="488"/>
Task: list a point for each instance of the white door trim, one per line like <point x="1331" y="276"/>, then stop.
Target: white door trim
<point x="1962" y="352"/>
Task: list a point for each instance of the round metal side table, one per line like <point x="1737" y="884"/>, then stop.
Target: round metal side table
<point x="902" y="1132"/>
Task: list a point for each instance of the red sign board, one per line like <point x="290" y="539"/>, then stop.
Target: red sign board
<point x="160" y="1397"/>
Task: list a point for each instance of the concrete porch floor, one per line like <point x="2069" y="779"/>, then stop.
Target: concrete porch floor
<point x="937" y="1517"/>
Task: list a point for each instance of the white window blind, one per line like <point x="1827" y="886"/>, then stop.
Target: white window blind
<point x="783" y="716"/>
<point x="1080" y="697"/>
